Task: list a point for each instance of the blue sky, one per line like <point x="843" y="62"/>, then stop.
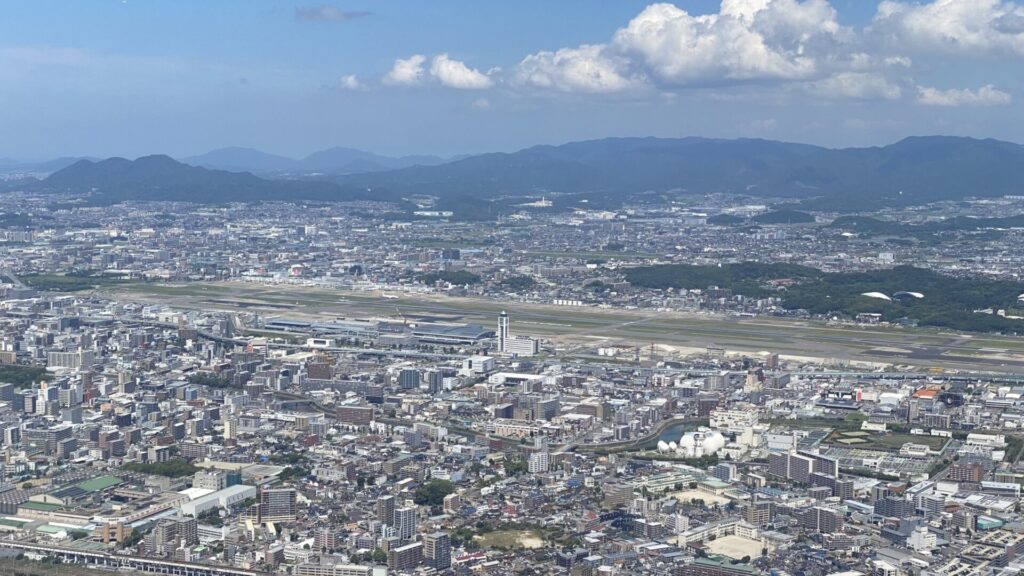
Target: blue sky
<point x="113" y="77"/>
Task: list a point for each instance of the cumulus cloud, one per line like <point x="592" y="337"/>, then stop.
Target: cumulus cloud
<point x="350" y="82"/>
<point x="987" y="95"/>
<point x="407" y="71"/>
<point x="746" y="40"/>
<point x="481" y="104"/>
<point x="793" y="46"/>
<point x="585" y="69"/>
<point x="856" y="86"/>
<point x="326" y="13"/>
<point x="976" y="26"/>
<point x="667" y="48"/>
<point x="455" y="74"/>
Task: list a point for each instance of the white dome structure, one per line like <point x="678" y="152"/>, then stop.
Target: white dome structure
<point x="672" y="446"/>
<point x="713" y="442"/>
<point x="703" y="442"/>
<point x="662" y="446"/>
<point x="876" y="295"/>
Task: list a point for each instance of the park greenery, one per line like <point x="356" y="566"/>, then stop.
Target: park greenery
<point x="948" y="302"/>
<point x="432" y="493"/>
<point x="211" y="380"/>
<point x="170" y="468"/>
<point x="67" y="283"/>
<point x="748" y="278"/>
<point x="22" y="376"/>
<point x="783" y="217"/>
<point x="517" y="283"/>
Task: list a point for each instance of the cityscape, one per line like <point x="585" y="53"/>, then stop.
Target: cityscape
<point x="661" y="355"/>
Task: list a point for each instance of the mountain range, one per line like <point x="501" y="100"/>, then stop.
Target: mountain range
<point x="161" y="178"/>
<point x="911" y="171"/>
<point x="599" y="172"/>
<point x="338" y="160"/>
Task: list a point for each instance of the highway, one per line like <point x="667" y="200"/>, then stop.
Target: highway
<point x="117" y="561"/>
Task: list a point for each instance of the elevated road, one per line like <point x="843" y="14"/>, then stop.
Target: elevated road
<point x="118" y="562"/>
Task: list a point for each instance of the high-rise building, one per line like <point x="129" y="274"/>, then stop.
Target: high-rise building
<point x="170" y="533"/>
<point x="539" y="462"/>
<point x="821" y="519"/>
<point x="409" y="379"/>
<point x="800" y="468"/>
<point x="405" y="523"/>
<point x="759" y="513"/>
<point x="778" y="464"/>
<point x="822" y="464"/>
<point x="407" y="557"/>
<point x="503" y="332"/>
<point x="437" y="550"/>
<point x="386" y="510"/>
<point x="892" y="507"/>
<point x="277" y="505"/>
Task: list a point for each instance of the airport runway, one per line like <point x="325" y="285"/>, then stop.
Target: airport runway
<point x="578" y="329"/>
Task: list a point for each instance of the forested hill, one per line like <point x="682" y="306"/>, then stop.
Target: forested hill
<point x="948" y="302"/>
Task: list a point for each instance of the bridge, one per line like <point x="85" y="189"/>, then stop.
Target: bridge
<point x="117" y="562"/>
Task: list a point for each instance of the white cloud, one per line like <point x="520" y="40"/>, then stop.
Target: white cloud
<point x="584" y="69"/>
<point x="326" y="13"/>
<point x="665" y="46"/>
<point x="350" y="82"/>
<point x="976" y="26"/>
<point x="856" y="86"/>
<point x="406" y="72"/>
<point x="746" y="40"/>
<point x="481" y="104"/>
<point x="455" y="74"/>
<point x="901" y="61"/>
<point x="772" y="47"/>
<point x="985" y="96"/>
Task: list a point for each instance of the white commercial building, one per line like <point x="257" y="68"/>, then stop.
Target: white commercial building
<point x="220" y="499"/>
<point x="733" y="421"/>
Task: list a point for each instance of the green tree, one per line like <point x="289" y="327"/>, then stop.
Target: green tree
<point x="432" y="493"/>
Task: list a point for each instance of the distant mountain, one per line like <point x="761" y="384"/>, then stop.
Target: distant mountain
<point x="332" y="161"/>
<point x="162" y="178"/>
<point x="597" y="173"/>
<point x="239" y="159"/>
<point x="914" y="170"/>
<point x="11" y="166"/>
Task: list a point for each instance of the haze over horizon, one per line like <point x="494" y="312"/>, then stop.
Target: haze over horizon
<point x="121" y="78"/>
